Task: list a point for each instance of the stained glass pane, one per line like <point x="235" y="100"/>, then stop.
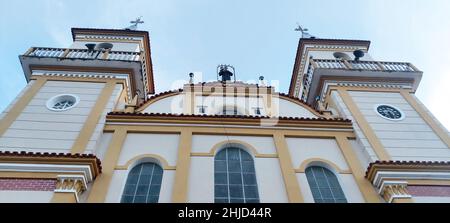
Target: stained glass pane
<point x="143" y="184"/>
<point x="234" y="177"/>
<point x="324" y="185"/>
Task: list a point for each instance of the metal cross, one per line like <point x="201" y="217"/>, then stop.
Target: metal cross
<point x="304" y="31"/>
<point x="135" y="23"/>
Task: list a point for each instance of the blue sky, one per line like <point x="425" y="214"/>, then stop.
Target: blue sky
<point x="257" y="37"/>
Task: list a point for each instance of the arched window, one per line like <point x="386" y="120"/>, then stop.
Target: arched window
<point x="143" y="184"/>
<point x="229" y="110"/>
<point x="234" y="177"/>
<point x="324" y="185"/>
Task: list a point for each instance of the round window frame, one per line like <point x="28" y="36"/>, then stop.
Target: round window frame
<point x="375" y="108"/>
<point x="53" y="100"/>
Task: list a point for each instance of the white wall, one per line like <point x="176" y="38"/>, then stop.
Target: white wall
<point x="289" y="109"/>
<point x="101" y="149"/>
<point x="164" y="145"/>
<point x="201" y="180"/>
<point x="172" y="104"/>
<point x="40" y="129"/>
<point x="431" y="199"/>
<point x="407" y="139"/>
<point x="245" y="105"/>
<point x="9" y="196"/>
<point x="302" y="149"/>
<point x="204" y="143"/>
<point x="269" y="178"/>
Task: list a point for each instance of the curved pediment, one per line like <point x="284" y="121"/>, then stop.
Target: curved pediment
<point x="201" y="103"/>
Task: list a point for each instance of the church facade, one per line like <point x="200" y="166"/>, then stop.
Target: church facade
<point x="89" y="127"/>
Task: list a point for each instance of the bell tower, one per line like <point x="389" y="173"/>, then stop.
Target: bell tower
<point x="70" y="90"/>
<point x="340" y="76"/>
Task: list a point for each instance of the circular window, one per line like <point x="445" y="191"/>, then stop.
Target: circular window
<point x="62" y="102"/>
<point x="389" y="112"/>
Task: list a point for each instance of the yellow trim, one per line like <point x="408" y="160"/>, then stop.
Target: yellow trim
<point x="88" y="129"/>
<point x="181" y="182"/>
<point x="190" y="93"/>
<point x="101" y="184"/>
<point x="249" y="148"/>
<point x="442" y="133"/>
<point x="77" y="79"/>
<point x="306" y="163"/>
<point x="256" y="156"/>
<point x="364" y="125"/>
<point x="371" y="89"/>
<point x="368" y="191"/>
<point x="402" y="200"/>
<point x="29" y="175"/>
<point x="64" y="197"/>
<point x="20" y="105"/>
<point x="161" y="161"/>
<point x="209" y="130"/>
<point x="256" y="123"/>
<point x="290" y="179"/>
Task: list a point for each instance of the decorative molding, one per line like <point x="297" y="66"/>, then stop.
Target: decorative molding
<point x="392" y="177"/>
<point x="328" y="84"/>
<point x="71" y="184"/>
<point x="144" y="158"/>
<point x="84" y="170"/>
<point x="106" y="76"/>
<point x="391" y="190"/>
<point x="81" y="164"/>
<point x="321" y="162"/>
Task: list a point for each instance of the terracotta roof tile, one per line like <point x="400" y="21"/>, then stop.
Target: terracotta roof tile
<point x="406" y="163"/>
<point x="181" y="90"/>
<point x="159" y="95"/>
<point x="226" y="116"/>
<point x="52" y="155"/>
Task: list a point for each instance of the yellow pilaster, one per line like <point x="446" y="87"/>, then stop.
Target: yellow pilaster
<point x="64" y="197"/>
<point x="364" y="125"/>
<point x="180" y="187"/>
<point x="88" y="129"/>
<point x="368" y="191"/>
<point x="403" y="200"/>
<point x="442" y="133"/>
<point x="101" y="184"/>
<point x="288" y="170"/>
<point x="20" y="105"/>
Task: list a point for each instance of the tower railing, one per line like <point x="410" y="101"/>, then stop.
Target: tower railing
<point x="363" y="65"/>
<point x="83" y="54"/>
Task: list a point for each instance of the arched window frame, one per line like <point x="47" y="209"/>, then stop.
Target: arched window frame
<point x="337" y="195"/>
<point x="250" y="190"/>
<point x="153" y="188"/>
